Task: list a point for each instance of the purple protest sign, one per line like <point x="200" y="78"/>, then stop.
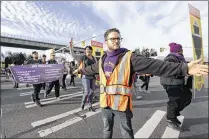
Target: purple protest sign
<point x="37" y="73"/>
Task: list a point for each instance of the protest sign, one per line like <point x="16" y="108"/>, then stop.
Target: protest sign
<point x="37" y="73"/>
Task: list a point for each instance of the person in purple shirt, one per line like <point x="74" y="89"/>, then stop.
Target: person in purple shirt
<point x="140" y="64"/>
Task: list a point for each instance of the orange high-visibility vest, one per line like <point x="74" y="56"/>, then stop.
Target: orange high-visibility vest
<point x="116" y="92"/>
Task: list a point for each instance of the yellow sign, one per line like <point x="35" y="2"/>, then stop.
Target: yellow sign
<point x="196" y="30"/>
<point x="97" y="52"/>
<point x="97" y="49"/>
<point x="83" y="43"/>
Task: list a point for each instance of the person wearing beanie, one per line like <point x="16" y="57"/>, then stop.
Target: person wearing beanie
<point x="179" y="93"/>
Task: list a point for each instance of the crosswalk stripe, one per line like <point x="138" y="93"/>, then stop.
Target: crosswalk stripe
<point x="30" y="93"/>
<point x="150" y="125"/>
<point x="30" y="87"/>
<point x="55" y="100"/>
<point x="171" y="133"/>
<point x="56" y="117"/>
<point x="25" y="88"/>
<point x="67" y="123"/>
<point x="42" y="100"/>
<point x="42" y="91"/>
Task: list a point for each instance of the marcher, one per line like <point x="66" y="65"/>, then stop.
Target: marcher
<point x="72" y="68"/>
<point x="16" y="85"/>
<point x="66" y="71"/>
<point x="179" y="93"/>
<point x="43" y="61"/>
<point x="145" y="78"/>
<point x="25" y="63"/>
<point x="116" y="70"/>
<point x="37" y="87"/>
<point x="53" y="83"/>
<point x="135" y="88"/>
<point x="88" y="81"/>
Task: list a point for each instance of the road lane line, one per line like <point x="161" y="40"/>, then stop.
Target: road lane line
<point x="67" y="123"/>
<point x="56" y="117"/>
<point x="150" y="125"/>
<point x="30" y="93"/>
<point x="42" y="91"/>
<point x="53" y="98"/>
<point x="172" y="133"/>
<point x="25" y="88"/>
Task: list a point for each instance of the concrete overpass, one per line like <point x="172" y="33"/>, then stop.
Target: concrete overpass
<point x="14" y="41"/>
<point x="17" y="42"/>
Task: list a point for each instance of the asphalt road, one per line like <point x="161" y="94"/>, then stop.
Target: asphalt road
<point x="20" y="118"/>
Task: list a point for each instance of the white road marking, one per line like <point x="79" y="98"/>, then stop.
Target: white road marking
<point x="172" y="133"/>
<point x="56" y="117"/>
<point x="150" y="125"/>
<point x="30" y="93"/>
<point x="30" y="87"/>
<point x="42" y="91"/>
<point x="42" y="100"/>
<point x="55" y="100"/>
<point x="67" y="123"/>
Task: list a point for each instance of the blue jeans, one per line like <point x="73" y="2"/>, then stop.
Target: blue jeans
<point x="89" y="87"/>
<point x="125" y="123"/>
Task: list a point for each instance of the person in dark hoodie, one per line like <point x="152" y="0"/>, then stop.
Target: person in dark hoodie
<point x="55" y="83"/>
<point x="37" y="87"/>
<point x="177" y="88"/>
<point x="116" y="70"/>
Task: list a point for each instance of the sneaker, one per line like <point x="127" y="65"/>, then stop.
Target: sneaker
<point x="178" y="114"/>
<point x="147" y="91"/>
<point x="32" y="99"/>
<point x="45" y="95"/>
<point x="82" y="107"/>
<point x="174" y="125"/>
<point x="94" y="97"/>
<point x="91" y="109"/>
<point x="139" y="97"/>
<point x="38" y="103"/>
<point x="177" y="121"/>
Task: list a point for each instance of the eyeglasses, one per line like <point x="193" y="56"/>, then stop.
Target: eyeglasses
<point x="114" y="39"/>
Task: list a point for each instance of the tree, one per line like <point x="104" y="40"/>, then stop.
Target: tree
<point x="29" y="57"/>
<point x="137" y="50"/>
<point x="18" y="57"/>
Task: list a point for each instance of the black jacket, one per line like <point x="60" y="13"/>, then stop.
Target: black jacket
<point x="175" y="80"/>
<point x="52" y="62"/>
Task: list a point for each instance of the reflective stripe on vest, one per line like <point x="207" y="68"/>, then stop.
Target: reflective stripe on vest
<point x="116" y="92"/>
<point x="115" y="89"/>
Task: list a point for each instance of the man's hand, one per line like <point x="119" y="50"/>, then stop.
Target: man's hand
<point x="194" y="68"/>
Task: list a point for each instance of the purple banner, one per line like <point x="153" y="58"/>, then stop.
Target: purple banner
<point x="37" y="73"/>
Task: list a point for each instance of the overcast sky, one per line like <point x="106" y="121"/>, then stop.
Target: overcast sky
<point x="142" y="23"/>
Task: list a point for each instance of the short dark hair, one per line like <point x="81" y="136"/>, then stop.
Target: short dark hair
<point x="88" y="46"/>
<point x="109" y="31"/>
<point x="34" y="52"/>
<point x="43" y="55"/>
